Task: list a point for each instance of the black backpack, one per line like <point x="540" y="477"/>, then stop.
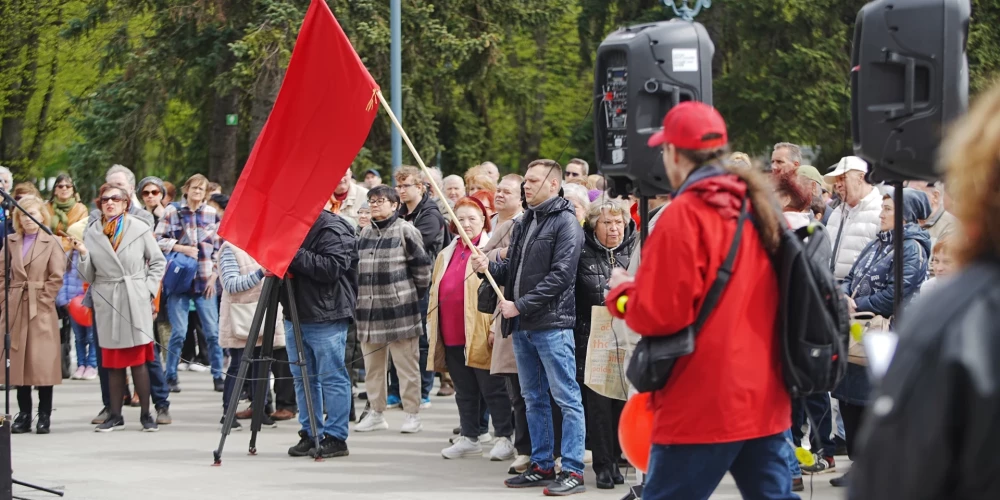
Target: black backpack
<point x="813" y="319"/>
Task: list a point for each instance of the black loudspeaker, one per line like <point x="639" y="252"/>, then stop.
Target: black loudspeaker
<point x="909" y="79"/>
<point x="642" y="71"/>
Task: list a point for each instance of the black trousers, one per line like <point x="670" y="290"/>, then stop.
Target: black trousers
<point x="522" y="437"/>
<point x="44" y="399"/>
<point x="853" y="416"/>
<point x="284" y="386"/>
<point x="473" y="384"/>
<point x="603" y="414"/>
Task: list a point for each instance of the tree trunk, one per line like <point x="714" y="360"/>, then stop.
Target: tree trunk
<point x="264" y="94"/>
<point x="12" y="125"/>
<point x="223" y="140"/>
<point x="42" y="127"/>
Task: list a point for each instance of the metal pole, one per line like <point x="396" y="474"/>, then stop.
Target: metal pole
<point x="396" y="75"/>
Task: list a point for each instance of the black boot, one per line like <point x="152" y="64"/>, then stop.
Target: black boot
<point x="42" y="427"/>
<point x="604" y="480"/>
<point x="22" y="424"/>
<point x="616" y="475"/>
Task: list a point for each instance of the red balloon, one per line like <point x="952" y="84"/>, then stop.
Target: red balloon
<point x="84" y="316"/>
<point x="635" y="431"/>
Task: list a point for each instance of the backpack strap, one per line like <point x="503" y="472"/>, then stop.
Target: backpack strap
<point x="725" y="272"/>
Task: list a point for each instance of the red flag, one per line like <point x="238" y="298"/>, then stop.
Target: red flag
<point x="319" y="122"/>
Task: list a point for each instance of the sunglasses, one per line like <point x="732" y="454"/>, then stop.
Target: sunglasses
<point x="572" y="174"/>
<point x="155" y="192"/>
<point x="63" y="186"/>
<point x="117" y="198"/>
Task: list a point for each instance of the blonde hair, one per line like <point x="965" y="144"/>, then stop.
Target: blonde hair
<point x="740" y="159"/>
<point x="970" y="155"/>
<point x="613" y="206"/>
<point x="28" y="202"/>
<point x="193" y="180"/>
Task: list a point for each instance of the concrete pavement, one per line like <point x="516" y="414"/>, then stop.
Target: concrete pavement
<point x="175" y="463"/>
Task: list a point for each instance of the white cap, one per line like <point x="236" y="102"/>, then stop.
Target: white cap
<point x="845" y="165"/>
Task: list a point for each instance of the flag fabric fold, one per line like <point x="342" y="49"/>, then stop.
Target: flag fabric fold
<point x="319" y="122"/>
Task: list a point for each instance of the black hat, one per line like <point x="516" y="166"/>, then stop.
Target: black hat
<point x="220" y="199"/>
<point x="373" y="172"/>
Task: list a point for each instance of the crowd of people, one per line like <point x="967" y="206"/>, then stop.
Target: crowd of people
<point x="392" y="295"/>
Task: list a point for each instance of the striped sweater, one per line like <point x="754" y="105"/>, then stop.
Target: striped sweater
<point x="394" y="273"/>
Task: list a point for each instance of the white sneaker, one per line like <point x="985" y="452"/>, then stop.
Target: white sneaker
<point x="411" y="424"/>
<point x="503" y="449"/>
<point x="78" y="374"/>
<point x="183" y="367"/>
<point x="374" y="421"/>
<point x="463" y="448"/>
<point x="520" y="464"/>
<point x="195" y="367"/>
<point x="486" y="438"/>
<point x="588" y="457"/>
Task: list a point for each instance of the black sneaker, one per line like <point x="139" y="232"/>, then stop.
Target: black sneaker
<point x="112" y="423"/>
<point x="267" y="421"/>
<point x="798" y="485"/>
<point x="148" y="423"/>
<point x="101" y="417"/>
<point x="174" y="386"/>
<point x="534" y="476"/>
<point x="22" y="423"/>
<point x="305" y="447"/>
<point x="236" y="424"/>
<point x="220" y="385"/>
<point x="567" y="483"/>
<point x="331" y="447"/>
<point x="841" y="482"/>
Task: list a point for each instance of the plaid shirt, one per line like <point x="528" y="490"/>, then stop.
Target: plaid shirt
<point x="181" y="225"/>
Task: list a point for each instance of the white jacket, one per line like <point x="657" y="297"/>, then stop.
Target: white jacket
<point x="861" y="225"/>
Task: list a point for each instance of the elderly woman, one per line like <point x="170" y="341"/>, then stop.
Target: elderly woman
<point x="870" y="288"/>
<point x="152" y="191"/>
<point x="610" y="237"/>
<point x="459" y="339"/>
<point x="123" y="264"/>
<point x="580" y="198"/>
<point x="65" y="208"/>
<point x="37" y="266"/>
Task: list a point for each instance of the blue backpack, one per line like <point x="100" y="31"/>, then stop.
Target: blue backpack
<point x="180" y="274"/>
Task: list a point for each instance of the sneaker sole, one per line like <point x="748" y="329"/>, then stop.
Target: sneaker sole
<point x="504" y="458"/>
<point x="574" y="491"/>
<point x="818" y="472"/>
<point x="154" y="429"/>
<point x="336" y="454"/>
<point x="468" y="454"/>
<point x="112" y="429"/>
<point x="539" y="484"/>
<point x="383" y="427"/>
<point x="411" y="431"/>
<point x="306" y="454"/>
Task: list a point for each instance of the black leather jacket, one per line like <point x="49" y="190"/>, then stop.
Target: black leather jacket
<point x="932" y="431"/>
<point x="325" y="272"/>
<point x="550" y="258"/>
<point x="592" y="275"/>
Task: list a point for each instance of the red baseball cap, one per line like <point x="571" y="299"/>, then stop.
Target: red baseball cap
<point x="692" y="125"/>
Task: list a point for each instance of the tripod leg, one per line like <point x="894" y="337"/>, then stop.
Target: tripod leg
<point x="293" y="312"/>
<point x="39" y="488"/>
<point x="270" y="288"/>
<point x="261" y="386"/>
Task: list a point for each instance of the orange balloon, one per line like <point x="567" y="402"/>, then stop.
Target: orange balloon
<point x="635" y="431"/>
<point x="83" y="315"/>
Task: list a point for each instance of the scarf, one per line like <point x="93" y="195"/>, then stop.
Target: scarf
<point x="60" y="209"/>
<point x="114" y="229"/>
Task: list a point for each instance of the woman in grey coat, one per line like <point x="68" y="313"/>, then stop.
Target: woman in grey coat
<point x="123" y="264"/>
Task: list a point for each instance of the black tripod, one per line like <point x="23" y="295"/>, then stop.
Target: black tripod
<point x="6" y="472"/>
<point x="267" y="314"/>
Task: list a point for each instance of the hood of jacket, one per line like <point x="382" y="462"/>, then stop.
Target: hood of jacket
<point x="916" y="205"/>
<point x="912" y="231"/>
<point x="720" y="189"/>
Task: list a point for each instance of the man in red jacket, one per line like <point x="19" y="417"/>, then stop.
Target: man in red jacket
<point x="724" y="407"/>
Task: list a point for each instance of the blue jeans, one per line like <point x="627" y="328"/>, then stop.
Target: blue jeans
<point x="86" y="348"/>
<point x="330" y="386"/>
<point x="546" y="360"/>
<point x="178" y="307"/>
<point x="693" y="471"/>
<point x="818" y="406"/>
<point x="793" y="461"/>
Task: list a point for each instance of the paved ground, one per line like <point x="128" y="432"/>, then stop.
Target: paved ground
<point x="176" y="462"/>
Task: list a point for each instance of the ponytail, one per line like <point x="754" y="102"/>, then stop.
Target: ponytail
<point x="767" y="216"/>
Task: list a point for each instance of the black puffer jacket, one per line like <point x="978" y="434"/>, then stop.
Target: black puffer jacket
<point x="428" y="219"/>
<point x="325" y="272"/>
<point x="592" y="275"/>
<point x="548" y="280"/>
<point x="939" y="400"/>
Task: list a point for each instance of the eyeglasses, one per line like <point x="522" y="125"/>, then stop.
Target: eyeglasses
<point x="378" y="202"/>
<point x="58" y="186"/>
<point x="155" y="192"/>
<point x="117" y="198"/>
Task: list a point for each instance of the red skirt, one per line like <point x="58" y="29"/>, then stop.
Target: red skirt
<point x="127" y="357"/>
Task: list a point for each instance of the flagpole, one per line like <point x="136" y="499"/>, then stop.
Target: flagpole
<point x="437" y="190"/>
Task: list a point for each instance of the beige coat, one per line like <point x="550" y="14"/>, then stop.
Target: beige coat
<point x="247" y="299"/>
<point x="477" y="325"/>
<point x="123" y="283"/>
<point x="503" y="348"/>
<point x="35" y="357"/>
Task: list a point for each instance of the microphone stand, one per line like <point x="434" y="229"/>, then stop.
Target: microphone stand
<point x="7" y="481"/>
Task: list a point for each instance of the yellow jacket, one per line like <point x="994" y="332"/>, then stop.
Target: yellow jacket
<point x="478" y="353"/>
